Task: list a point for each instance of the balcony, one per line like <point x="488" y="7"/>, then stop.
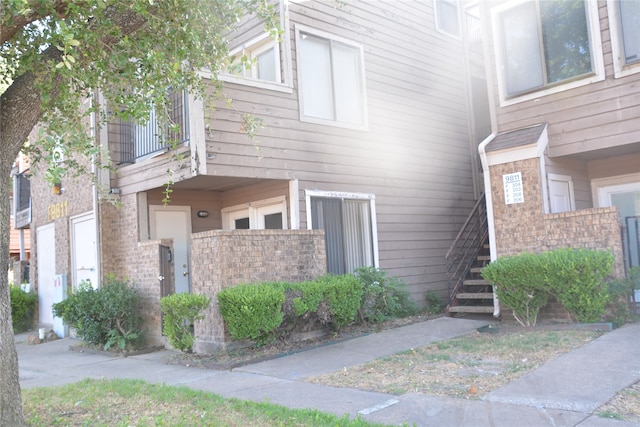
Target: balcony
<point x="130" y="142"/>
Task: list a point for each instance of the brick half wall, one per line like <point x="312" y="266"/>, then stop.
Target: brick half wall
<point x="222" y="259"/>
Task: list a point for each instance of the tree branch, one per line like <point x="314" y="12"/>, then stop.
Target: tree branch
<point x="18" y="22"/>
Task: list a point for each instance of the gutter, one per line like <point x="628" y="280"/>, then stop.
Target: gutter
<point x="490" y="219"/>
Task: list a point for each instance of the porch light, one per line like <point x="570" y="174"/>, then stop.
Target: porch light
<point x="56" y="189"/>
<point x="202" y="214"/>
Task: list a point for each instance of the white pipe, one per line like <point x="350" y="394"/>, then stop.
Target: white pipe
<point x="490" y="219"/>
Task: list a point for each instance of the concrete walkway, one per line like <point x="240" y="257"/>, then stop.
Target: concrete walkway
<point x="564" y="392"/>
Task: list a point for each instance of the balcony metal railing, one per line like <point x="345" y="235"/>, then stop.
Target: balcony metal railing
<point x="130" y="141"/>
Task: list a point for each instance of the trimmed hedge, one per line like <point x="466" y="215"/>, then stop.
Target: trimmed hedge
<point x="263" y="312"/>
<point x="574" y="276"/>
<point x="520" y="285"/>
<point x="180" y="311"/>
<point x="22" y="307"/>
<point x="252" y="311"/>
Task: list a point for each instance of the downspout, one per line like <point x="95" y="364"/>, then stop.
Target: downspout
<point x="96" y="211"/>
<point x="490" y="219"/>
<point x="491" y="92"/>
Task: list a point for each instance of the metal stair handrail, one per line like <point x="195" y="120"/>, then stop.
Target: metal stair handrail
<point x="466" y="247"/>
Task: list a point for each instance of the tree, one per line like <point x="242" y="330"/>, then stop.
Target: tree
<point x="54" y="55"/>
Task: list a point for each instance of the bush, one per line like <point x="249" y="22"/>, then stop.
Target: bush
<point x="383" y="297"/>
<point x="434" y="304"/>
<point x="180" y="311"/>
<point x="104" y="316"/>
<point x="22" y="307"/>
<point x="576" y="278"/>
<point x="252" y="311"/>
<point x="343" y="295"/>
<point x="619" y="310"/>
<point x="519" y="284"/>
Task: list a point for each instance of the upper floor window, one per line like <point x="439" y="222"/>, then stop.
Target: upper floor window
<point x="330" y="79"/>
<point x="258" y="59"/>
<point x="545" y="43"/>
<point x="624" y="21"/>
<point x="447" y="17"/>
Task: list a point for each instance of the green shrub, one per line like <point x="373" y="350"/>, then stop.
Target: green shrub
<point x="252" y="311"/>
<point x="383" y="297"/>
<point x="343" y="295"/>
<point x="619" y="310"/>
<point x="576" y="278"/>
<point x="22" y="307"/>
<point x="180" y="311"/>
<point x="519" y="284"/>
<point x="434" y="304"/>
<point x="104" y="316"/>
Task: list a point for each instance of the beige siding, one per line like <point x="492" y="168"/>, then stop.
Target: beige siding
<point x="414" y="156"/>
<point x="577" y="170"/>
<point x="593" y="117"/>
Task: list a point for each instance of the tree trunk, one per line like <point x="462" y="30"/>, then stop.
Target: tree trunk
<point x="10" y="397"/>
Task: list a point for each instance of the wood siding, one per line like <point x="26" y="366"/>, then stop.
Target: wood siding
<point x="599" y="116"/>
<point x="415" y="155"/>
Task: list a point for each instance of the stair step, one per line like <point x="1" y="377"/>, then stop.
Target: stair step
<point x="484" y="258"/>
<point x="476" y="270"/>
<point x="476" y="282"/>
<point x="474" y="295"/>
<point x="471" y="309"/>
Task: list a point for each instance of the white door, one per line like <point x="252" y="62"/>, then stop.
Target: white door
<point x="561" y="193"/>
<point x="84" y="250"/>
<point x="174" y="222"/>
<point x="46" y="253"/>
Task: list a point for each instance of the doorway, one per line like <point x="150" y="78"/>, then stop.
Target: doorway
<point x="626" y="197"/>
<point x="46" y="253"/>
<point x="174" y="222"/>
<point x="84" y="250"/>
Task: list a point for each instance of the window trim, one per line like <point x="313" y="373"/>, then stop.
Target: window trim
<point x="595" y="42"/>
<point x="437" y="20"/>
<point x="308" y="194"/>
<point x="253" y="210"/>
<point x="331" y="37"/>
<point x="284" y="51"/>
<point x="620" y="66"/>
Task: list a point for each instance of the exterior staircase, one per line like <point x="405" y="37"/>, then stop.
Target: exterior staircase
<point x="469" y="253"/>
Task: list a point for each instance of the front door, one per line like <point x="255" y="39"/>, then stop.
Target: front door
<point x="174" y="222"/>
<point x="46" y="253"/>
<point x="83" y="238"/>
<point x="626" y="197"/>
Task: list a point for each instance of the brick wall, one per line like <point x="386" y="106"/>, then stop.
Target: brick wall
<point x="524" y="227"/>
<point x="137" y="262"/>
<point x="220" y="259"/>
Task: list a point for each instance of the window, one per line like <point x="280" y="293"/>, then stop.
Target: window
<point x="331" y="80"/>
<point x="545" y="43"/>
<point x="348" y="221"/>
<point x="269" y="214"/>
<point x="447" y="17"/>
<point x="624" y="19"/>
<point x="258" y="59"/>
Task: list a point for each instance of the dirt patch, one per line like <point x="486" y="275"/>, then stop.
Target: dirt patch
<point x="624" y="406"/>
<point x="233" y="358"/>
<point x="465" y="367"/>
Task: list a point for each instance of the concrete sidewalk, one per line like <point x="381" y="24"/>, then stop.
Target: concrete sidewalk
<point x="565" y="392"/>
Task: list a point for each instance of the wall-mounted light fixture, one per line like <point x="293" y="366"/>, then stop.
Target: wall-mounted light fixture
<point x="202" y="214"/>
<point x="57" y="189"/>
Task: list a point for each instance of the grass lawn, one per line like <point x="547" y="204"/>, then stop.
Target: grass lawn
<point x="136" y="403"/>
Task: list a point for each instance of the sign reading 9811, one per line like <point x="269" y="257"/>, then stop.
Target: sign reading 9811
<point x="513" y="192"/>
